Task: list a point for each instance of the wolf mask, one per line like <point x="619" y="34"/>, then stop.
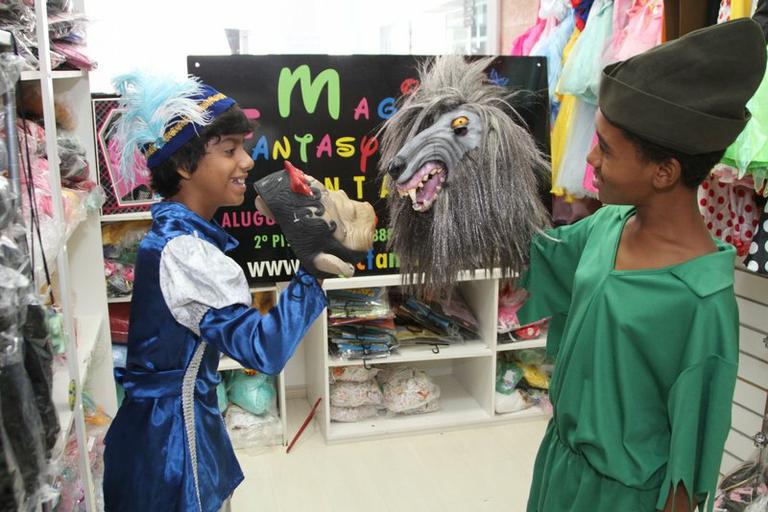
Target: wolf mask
<point x="463" y="175"/>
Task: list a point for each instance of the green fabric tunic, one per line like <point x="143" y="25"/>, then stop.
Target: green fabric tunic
<point x="644" y="375"/>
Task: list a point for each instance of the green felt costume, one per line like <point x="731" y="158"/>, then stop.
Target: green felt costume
<point x="645" y="369"/>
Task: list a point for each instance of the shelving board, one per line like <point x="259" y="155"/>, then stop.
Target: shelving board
<point x="523" y="344"/>
<point x="457" y="409"/>
<point x="531" y="413"/>
<point x="341" y="283"/>
<point x="415" y="353"/>
<point x="37" y="75"/>
<point x="87" y="331"/>
<point x="60" y="398"/>
<point x="227" y="363"/>
<point x="122" y="217"/>
<point x="117" y="300"/>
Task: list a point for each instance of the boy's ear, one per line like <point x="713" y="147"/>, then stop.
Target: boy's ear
<point x="667" y="174"/>
<point x="184" y="173"/>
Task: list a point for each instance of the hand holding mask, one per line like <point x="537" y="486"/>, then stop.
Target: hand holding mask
<point x="327" y="230"/>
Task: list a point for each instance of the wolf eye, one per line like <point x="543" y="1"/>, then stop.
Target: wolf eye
<point x="459" y="125"/>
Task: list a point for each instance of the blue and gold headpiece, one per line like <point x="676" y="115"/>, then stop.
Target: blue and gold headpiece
<point x="161" y="114"/>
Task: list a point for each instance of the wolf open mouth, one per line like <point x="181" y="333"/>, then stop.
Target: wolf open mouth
<point x="425" y="185"/>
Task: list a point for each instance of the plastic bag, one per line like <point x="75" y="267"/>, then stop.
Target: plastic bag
<point x="355" y="394"/>
<point x="254" y="392"/>
<point x="38" y="362"/>
<point x="251" y="431"/>
<point x="221" y="395"/>
<point x="744" y="489"/>
<point x="73" y="165"/>
<point x="512" y="402"/>
<point x="352" y="414"/>
<point x="351" y="374"/>
<point x="406" y="388"/>
<point x="508" y="375"/>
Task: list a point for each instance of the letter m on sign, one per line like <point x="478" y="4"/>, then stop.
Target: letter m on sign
<point x="310" y="89"/>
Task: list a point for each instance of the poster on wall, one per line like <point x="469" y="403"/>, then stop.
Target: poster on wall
<point x="120" y="196"/>
<point x="322" y="113"/>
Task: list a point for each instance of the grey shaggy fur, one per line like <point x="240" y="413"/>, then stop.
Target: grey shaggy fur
<point x="489" y="208"/>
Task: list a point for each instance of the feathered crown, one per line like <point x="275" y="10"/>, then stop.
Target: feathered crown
<point x="160" y="115"/>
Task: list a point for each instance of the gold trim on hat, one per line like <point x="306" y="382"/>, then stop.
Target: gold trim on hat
<point x="176" y="128"/>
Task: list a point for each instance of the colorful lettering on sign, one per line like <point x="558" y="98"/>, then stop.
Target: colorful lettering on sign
<point x="387" y="108"/>
<point x="260" y="149"/>
<point x="303" y="141"/>
<point x="283" y="149"/>
<point x="344" y="148"/>
<point x="362" y="109"/>
<point x="324" y="146"/>
<point x="328" y="79"/>
<point x="367" y="148"/>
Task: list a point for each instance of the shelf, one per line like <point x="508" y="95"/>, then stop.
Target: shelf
<point x="122" y="217"/>
<point x="532" y="413"/>
<point x="521" y="345"/>
<point x="457" y="409"/>
<point x="117" y="300"/>
<point x="346" y="283"/>
<point x="127" y="298"/>
<point x="227" y="363"/>
<point x="37" y="75"/>
<point x="87" y="331"/>
<point x="421" y="353"/>
<point x="61" y="401"/>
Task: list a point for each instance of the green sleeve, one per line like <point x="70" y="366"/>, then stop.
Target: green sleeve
<point x="554" y="256"/>
<point x="699" y="409"/>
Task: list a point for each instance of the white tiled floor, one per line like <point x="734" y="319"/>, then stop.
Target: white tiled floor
<point x="482" y="469"/>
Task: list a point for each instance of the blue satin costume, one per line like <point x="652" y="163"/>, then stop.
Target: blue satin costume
<point x="148" y="465"/>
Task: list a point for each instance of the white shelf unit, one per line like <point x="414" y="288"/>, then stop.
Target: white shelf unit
<point x="465" y="372"/>
<point x="749" y="414"/>
<point x="78" y="269"/>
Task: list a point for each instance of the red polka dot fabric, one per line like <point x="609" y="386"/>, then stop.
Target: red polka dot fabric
<point x="729" y="210"/>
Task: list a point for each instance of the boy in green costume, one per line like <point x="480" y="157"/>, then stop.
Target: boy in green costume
<point x="644" y="319"/>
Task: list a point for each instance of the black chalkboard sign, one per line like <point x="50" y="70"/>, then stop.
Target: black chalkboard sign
<point x="322" y="113"/>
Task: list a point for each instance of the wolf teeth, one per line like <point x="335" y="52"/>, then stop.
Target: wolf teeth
<point x="412" y="193"/>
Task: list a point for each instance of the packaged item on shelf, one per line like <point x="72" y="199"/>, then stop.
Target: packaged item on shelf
<point x="359" y="304"/>
<point x="121" y="241"/>
<point x="449" y="315"/>
<point x="353" y="414"/>
<point x="253" y="391"/>
<point x="532" y="356"/>
<point x="38" y="361"/>
<point x="355" y="394"/>
<point x="508" y="375"/>
<point x="68" y="484"/>
<point x="407" y="389"/>
<point x="73" y="165"/>
<point x="351" y="374"/>
<point x="250" y="431"/>
<point x="513" y="402"/>
<point x="745" y="488"/>
<point x="221" y="396"/>
<point x="361" y="323"/>
<point x="510" y="301"/>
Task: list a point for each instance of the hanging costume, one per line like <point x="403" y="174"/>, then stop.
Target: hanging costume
<point x="646" y="359"/>
<point x="167" y="448"/>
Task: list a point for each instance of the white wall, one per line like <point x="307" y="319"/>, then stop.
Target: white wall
<point x="159" y="34"/>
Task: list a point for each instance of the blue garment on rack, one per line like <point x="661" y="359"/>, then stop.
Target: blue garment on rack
<point x="149" y="461"/>
<point x="552" y="48"/>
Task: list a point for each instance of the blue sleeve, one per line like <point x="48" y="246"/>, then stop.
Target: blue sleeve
<point x="266" y="342"/>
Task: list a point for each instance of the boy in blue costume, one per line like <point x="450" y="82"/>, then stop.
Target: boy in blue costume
<point x="167" y="448"/>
